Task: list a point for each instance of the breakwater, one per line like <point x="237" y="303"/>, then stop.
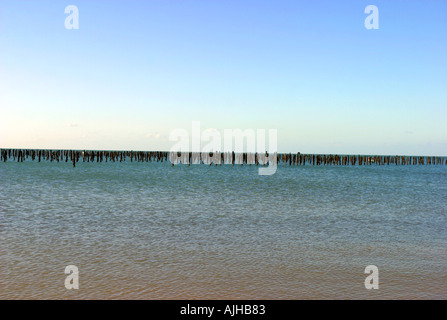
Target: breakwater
<point x="218" y="158"/>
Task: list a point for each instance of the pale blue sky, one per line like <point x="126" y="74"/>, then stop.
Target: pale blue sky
<point x="136" y="70"/>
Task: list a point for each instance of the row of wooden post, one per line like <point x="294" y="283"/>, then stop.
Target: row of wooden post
<point x="291" y="159"/>
<point x="75" y="156"/>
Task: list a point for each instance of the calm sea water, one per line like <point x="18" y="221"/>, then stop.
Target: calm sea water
<point x="152" y="231"/>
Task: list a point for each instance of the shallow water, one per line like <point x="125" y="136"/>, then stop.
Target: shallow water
<point x="152" y="231"/>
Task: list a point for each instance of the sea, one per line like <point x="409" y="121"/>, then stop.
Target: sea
<point x="139" y="230"/>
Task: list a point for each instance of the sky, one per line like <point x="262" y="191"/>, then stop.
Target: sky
<point x="137" y="70"/>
